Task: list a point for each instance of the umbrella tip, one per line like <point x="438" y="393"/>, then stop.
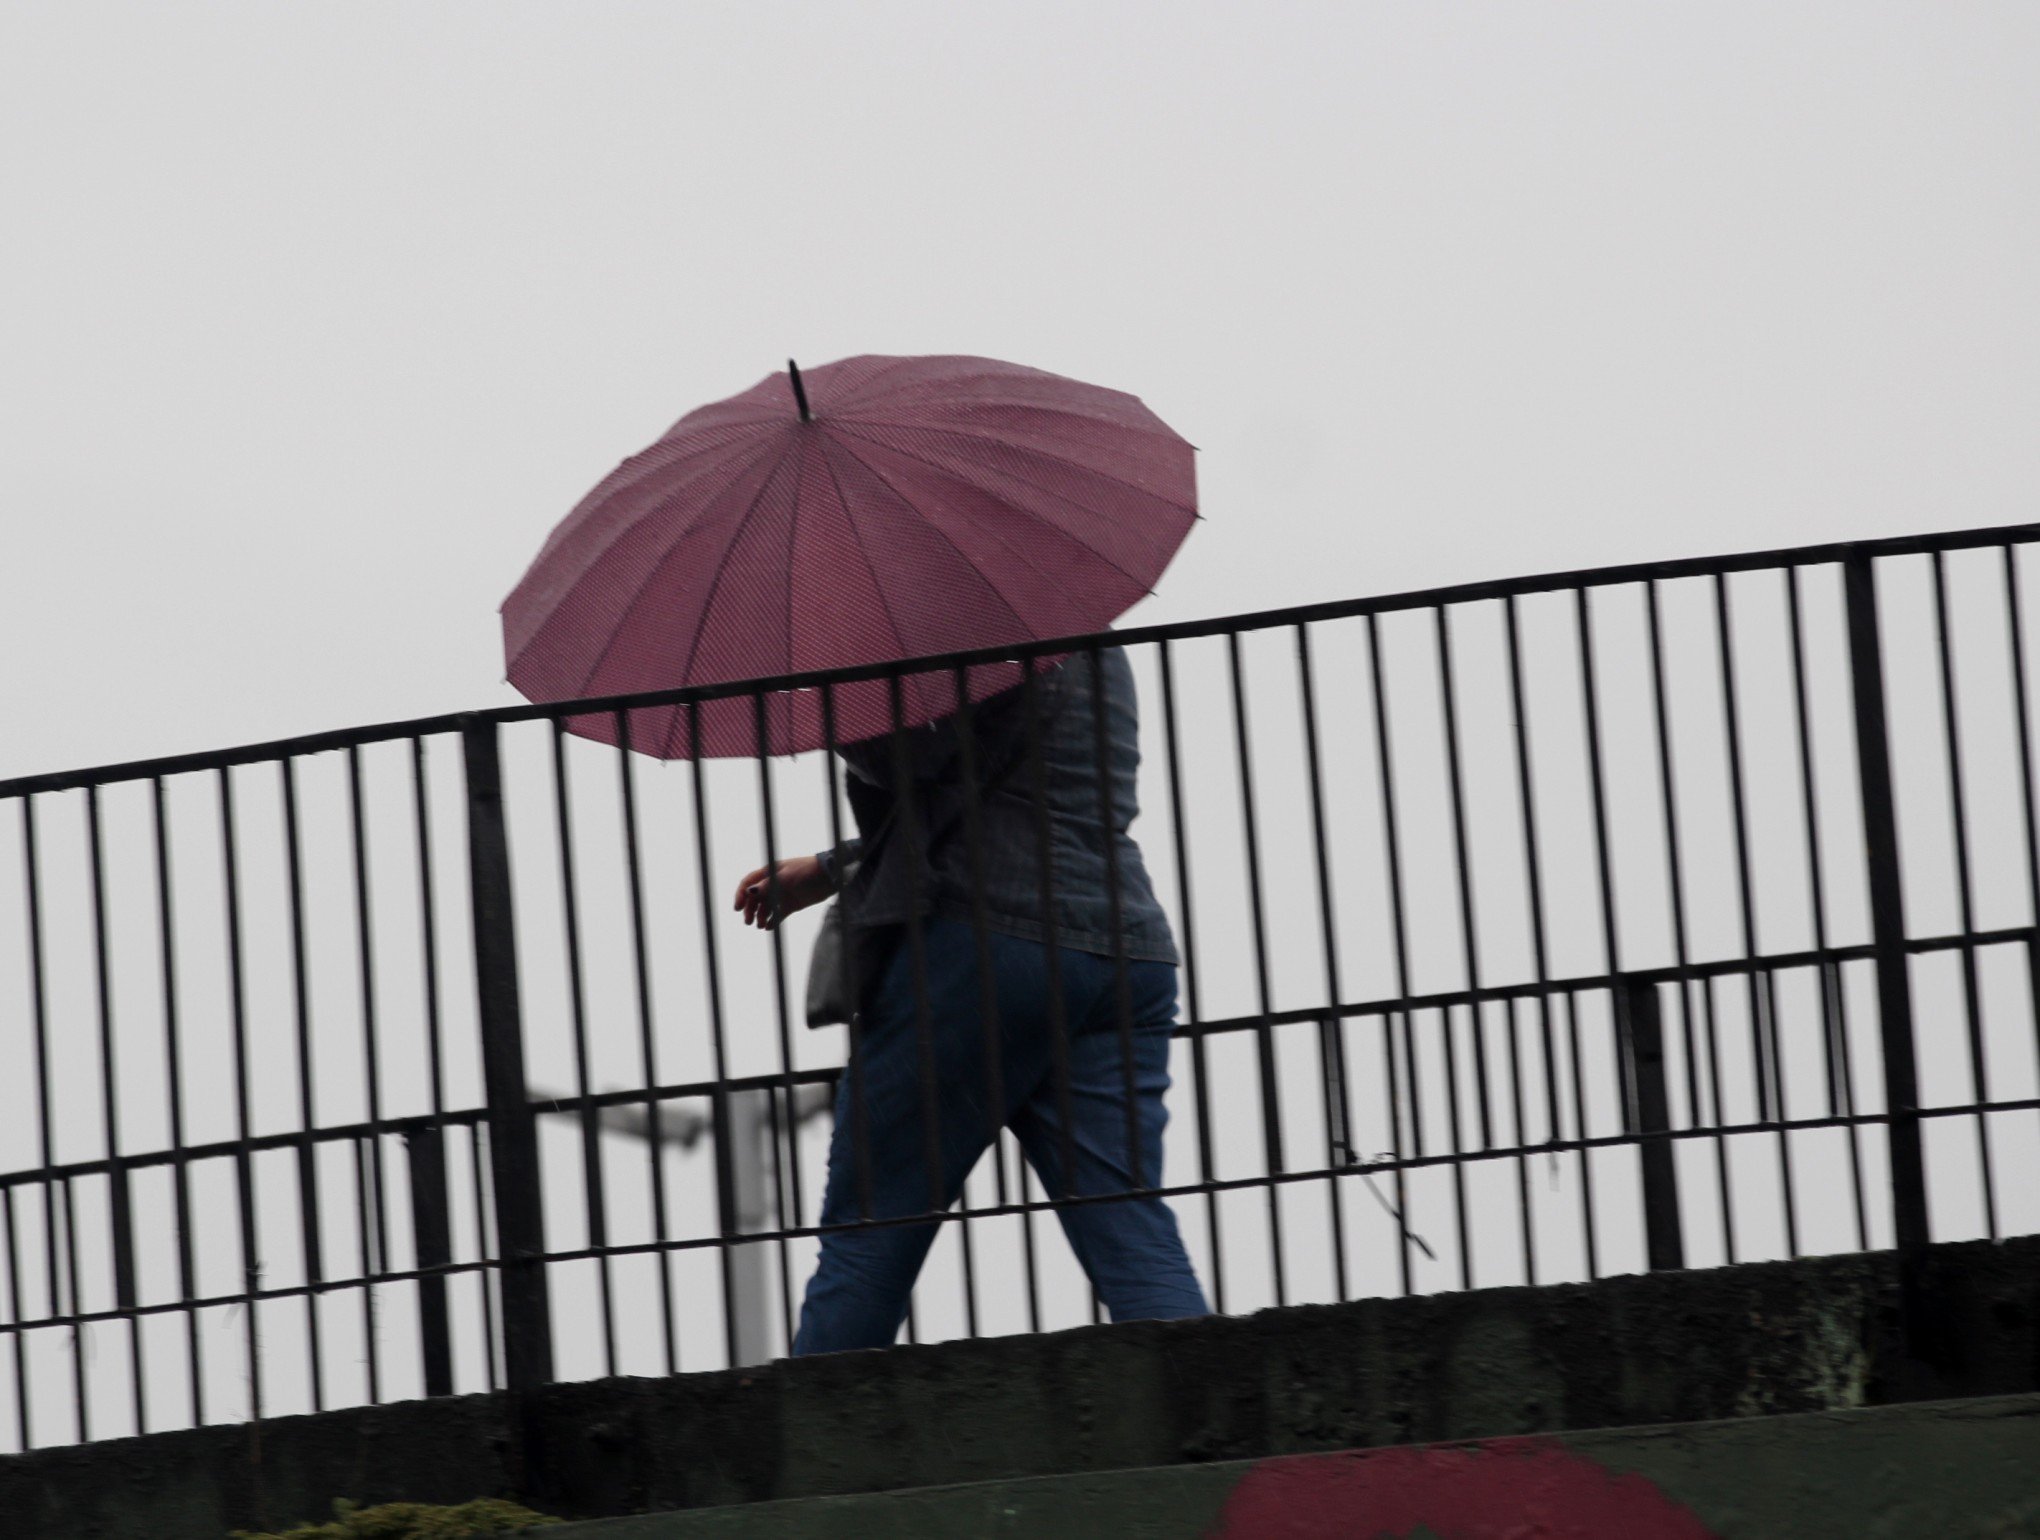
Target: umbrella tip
<point x="799" y="391"/>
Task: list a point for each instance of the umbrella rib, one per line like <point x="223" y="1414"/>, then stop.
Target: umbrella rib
<point x="991" y="532"/>
<point x="636" y="474"/>
<point x="892" y="625"/>
<point x="792" y="539"/>
<point x="721" y="565"/>
<point x="608" y="546"/>
<point x="1027" y="512"/>
<point x="972" y="566"/>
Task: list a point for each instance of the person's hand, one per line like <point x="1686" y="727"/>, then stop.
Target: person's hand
<point x="801" y="885"/>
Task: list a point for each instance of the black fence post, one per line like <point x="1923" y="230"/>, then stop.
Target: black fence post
<point x="1649" y="1113"/>
<point x="432" y="1246"/>
<point x="513" y="1131"/>
<point x="1887" y="927"/>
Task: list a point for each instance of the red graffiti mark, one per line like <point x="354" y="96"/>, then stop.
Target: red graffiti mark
<point x="1505" y="1489"/>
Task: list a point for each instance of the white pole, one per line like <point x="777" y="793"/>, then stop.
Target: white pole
<point x="751" y="1172"/>
<point x="750" y="1156"/>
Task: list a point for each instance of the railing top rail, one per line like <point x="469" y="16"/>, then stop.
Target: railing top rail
<point x="1337" y="609"/>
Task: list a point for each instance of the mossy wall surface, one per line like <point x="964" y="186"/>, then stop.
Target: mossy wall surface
<point x="1813" y="1335"/>
<point x="1943" y="1469"/>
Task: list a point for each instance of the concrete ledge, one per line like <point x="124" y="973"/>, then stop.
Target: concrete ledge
<point x="1935" y="1468"/>
<point x="1811" y="1335"/>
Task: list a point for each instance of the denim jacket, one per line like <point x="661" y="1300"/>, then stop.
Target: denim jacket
<point x="1086" y="850"/>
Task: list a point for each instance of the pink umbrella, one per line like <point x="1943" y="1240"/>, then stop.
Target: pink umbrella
<point x="872" y="510"/>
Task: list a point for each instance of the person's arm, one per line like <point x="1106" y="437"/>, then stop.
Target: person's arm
<point x="800" y="884"/>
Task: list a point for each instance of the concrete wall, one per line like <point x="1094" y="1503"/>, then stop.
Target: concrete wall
<point x="1946" y="1468"/>
<point x="1672" y="1347"/>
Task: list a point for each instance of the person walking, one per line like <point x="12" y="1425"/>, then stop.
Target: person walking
<point x="1012" y="967"/>
<point x="1016" y="972"/>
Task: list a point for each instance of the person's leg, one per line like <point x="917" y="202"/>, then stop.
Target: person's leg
<point x="858" y="1294"/>
<point x="1131" y="1250"/>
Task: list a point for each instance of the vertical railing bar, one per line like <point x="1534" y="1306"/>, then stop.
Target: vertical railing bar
<point x="173" y="1058"/>
<point x="918" y="853"/>
<point x="377" y="1211"/>
<point x="492" y="1344"/>
<point x="307" y="1150"/>
<point x="655" y="1142"/>
<point x="1585" y="1164"/>
<point x="1264" y="1036"/>
<point x="1611" y="939"/>
<point x="515" y="1169"/>
<point x="1199" y="1063"/>
<point x="1469" y="930"/>
<point x="1331" y="1044"/>
<point x="1764" y="1045"/>
<point x="1448" y="696"/>
<point x="120" y="1212"/>
<point x="428" y="929"/>
<point x="2016" y="639"/>
<point x="1834" y="1005"/>
<point x="437" y="1335"/>
<point x="980" y="924"/>
<point x="1664" y="1237"/>
<point x="23" y="1399"/>
<point x="74" y="1306"/>
<point x="968" y="1247"/>
<point x="371" y="1262"/>
<point x="1533" y="875"/>
<point x="1051" y="943"/>
<point x="593" y="1188"/>
<point x="906" y="821"/>
<point x="1456" y="1132"/>
<point x="1027" y="1246"/>
<point x="432" y="1247"/>
<point x="786" y="1194"/>
<point x="1912" y="1231"/>
<point x="244" y="1166"/>
<point x="1533" y="872"/>
<point x="434" y="1317"/>
<point x="38" y="989"/>
<point x="1397" y="1073"/>
<point x="1676" y="881"/>
<point x="1958" y="815"/>
<point x="1122" y="986"/>
<point x="725" y="1170"/>
<point x="988" y="1004"/>
<point x="1521" y="1132"/>
<point x="1711" y="1041"/>
<point x="853" y="1070"/>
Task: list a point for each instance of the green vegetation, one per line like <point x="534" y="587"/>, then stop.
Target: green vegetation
<point x="413" y="1521"/>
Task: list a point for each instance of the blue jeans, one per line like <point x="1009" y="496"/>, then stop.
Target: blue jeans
<point x="857" y="1297"/>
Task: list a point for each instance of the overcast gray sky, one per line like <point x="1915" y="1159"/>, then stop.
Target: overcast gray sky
<point x="316" y="317"/>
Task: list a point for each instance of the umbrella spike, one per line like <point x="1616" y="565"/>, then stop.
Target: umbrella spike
<point x="799" y="391"/>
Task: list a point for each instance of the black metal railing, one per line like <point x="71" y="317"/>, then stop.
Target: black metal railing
<point x="1647" y="917"/>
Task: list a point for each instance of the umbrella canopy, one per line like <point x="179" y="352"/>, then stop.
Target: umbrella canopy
<point x="871" y="510"/>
